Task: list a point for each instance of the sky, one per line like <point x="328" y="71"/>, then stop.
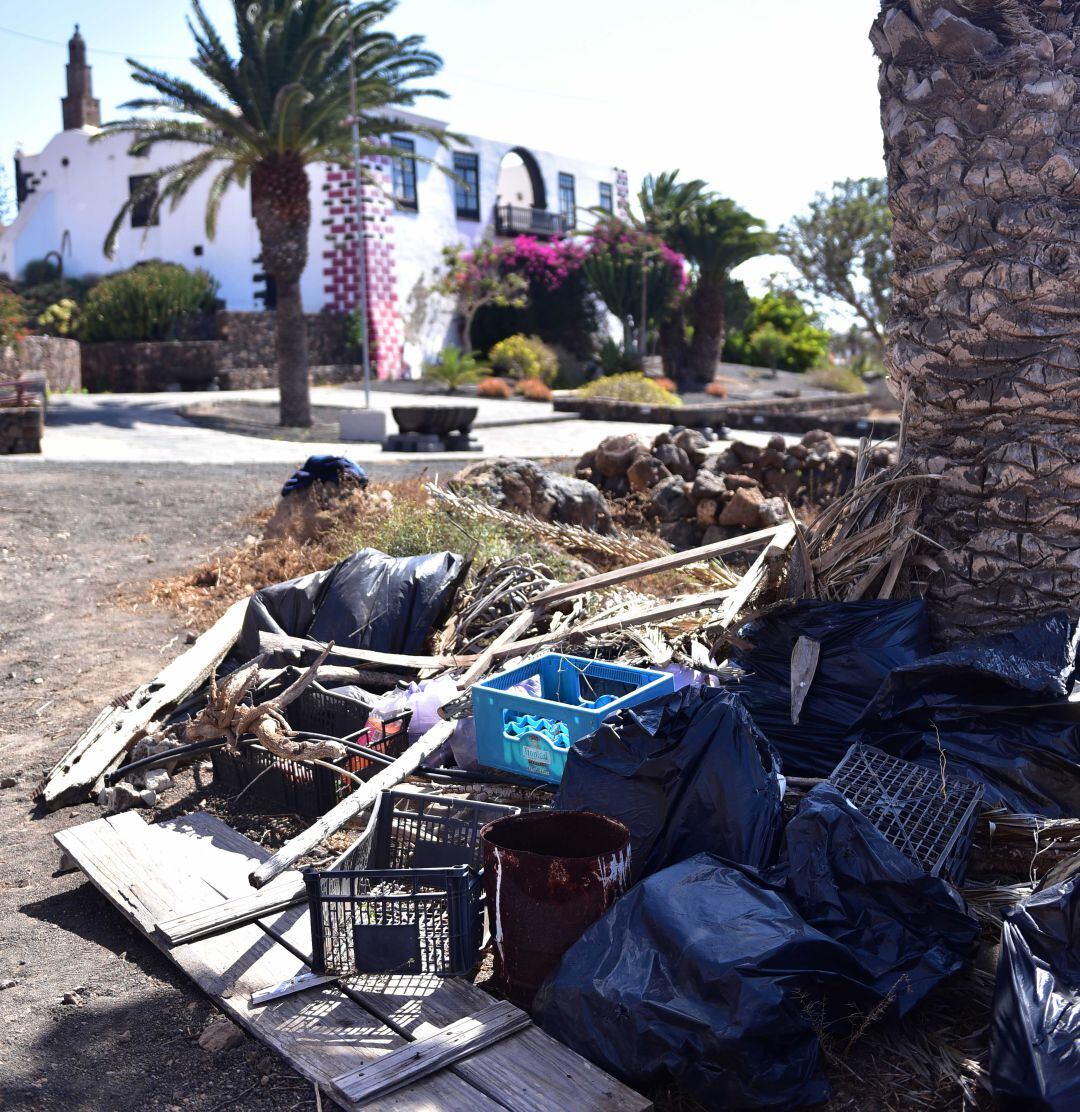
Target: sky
<point x="769" y="102"/>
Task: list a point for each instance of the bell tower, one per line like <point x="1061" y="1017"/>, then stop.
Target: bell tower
<point x="79" y="106"/>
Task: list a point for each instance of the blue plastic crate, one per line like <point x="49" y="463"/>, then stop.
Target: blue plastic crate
<point x="524" y="733"/>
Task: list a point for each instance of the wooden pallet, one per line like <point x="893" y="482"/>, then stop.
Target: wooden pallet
<point x="332" y="1034"/>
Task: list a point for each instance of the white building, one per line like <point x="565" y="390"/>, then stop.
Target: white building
<point x="70" y="193"/>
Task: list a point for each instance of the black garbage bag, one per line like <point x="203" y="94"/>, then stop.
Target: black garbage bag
<point x="906" y="930"/>
<point x="1035" y="1038"/>
<point x="711" y="973"/>
<point x="685" y="773"/>
<point x="689" y="976"/>
<point x="861" y="643"/>
<point x="367" y="601"/>
<point x="998" y="708"/>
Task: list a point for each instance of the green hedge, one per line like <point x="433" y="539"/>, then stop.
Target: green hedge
<point x="144" y="303"/>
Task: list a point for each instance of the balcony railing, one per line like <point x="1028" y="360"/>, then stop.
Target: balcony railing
<point x="518" y="220"/>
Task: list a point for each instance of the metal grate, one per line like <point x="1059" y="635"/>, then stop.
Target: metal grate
<point x="929" y="817"/>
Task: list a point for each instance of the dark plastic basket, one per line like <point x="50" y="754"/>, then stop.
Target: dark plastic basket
<point x="407" y="896"/>
<point x="291" y="787"/>
<point x="928" y="817"/>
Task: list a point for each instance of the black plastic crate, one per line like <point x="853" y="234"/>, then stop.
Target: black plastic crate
<point x="407" y="897"/>
<point x="929" y="817"/>
<point x="292" y="787"/>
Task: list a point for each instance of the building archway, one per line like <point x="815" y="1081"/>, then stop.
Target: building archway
<point x="520" y="181"/>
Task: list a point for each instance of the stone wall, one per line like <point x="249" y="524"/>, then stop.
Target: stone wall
<point x="241" y="356"/>
<point x="121" y="366"/>
<point x="57" y="359"/>
<point x="250" y="339"/>
<point x="21" y="429"/>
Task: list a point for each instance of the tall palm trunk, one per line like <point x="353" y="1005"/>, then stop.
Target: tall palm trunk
<point x="977" y="105"/>
<point x="707" y="313"/>
<point x="282" y="208"/>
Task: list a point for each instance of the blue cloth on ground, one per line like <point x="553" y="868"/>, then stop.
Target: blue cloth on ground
<point x="323" y="469"/>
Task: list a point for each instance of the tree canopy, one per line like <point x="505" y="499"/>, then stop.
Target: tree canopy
<point x="779" y="333"/>
<point x="842" y="249"/>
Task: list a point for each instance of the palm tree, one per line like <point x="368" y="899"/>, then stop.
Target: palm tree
<point x="983" y="343"/>
<point x="282" y="103"/>
<point x="716" y="236"/>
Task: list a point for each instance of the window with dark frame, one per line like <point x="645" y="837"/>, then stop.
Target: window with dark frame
<point x="607" y="199"/>
<point x="403" y="168"/>
<point x="567" y="201"/>
<point x="467" y="190"/>
<point x="142" y="209"/>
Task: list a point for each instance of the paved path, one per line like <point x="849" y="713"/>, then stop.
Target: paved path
<point x="146" y="428"/>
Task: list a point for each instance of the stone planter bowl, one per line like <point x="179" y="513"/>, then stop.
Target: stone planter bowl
<point x="434" y="420"/>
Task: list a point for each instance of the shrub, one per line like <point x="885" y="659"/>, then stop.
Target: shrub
<point x="614" y="360"/>
<point x="716" y="389"/>
<point x="843" y="379"/>
<point x="633" y="387"/>
<point x="524" y="357"/>
<point x="494" y="388"/>
<point x="144" y="303"/>
<point x="39" y="271"/>
<point x="666" y="383"/>
<point x="60" y="318"/>
<point x="12" y="319"/>
<point x="534" y="389"/>
<point x="452" y="369"/>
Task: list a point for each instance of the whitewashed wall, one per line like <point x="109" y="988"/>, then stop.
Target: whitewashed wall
<point x="80" y="184"/>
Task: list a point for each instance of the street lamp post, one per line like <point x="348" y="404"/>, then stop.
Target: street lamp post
<point x="361" y="261"/>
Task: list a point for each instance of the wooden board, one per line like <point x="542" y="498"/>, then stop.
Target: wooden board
<point x="144" y="871"/>
<point x="527" y="1072"/>
<point x="286" y="890"/>
<point x="428" y="1055"/>
<point x="117" y="728"/>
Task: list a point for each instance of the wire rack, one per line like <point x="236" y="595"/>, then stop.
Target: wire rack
<point x="927" y="815"/>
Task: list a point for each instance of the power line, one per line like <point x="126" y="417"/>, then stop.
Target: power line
<point x="96" y="49"/>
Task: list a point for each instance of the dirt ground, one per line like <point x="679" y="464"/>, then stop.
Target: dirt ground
<point x="74" y="541"/>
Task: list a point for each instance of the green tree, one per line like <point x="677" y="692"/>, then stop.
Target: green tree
<point x="842" y="249"/>
<point x="278" y="106"/>
<point x="715" y="235"/>
<point x="779" y="332"/>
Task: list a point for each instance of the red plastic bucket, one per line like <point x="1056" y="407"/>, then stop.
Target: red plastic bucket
<point x="548" y="875"/>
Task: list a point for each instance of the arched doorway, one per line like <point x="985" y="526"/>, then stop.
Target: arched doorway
<point x="521" y="197"/>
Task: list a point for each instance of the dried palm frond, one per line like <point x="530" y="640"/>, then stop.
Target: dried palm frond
<point x="603" y="550"/>
<point x="857" y="546"/>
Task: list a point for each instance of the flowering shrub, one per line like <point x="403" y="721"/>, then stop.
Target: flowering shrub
<point x="494" y="388"/>
<point x="547" y="264"/>
<point x="619" y="258"/>
<point x="716" y="389"/>
<point x="666" y="383"/>
<point x="11" y="319"/>
<point x="60" y="319"/>
<point x="524" y="357"/>
<point x="476" y="278"/>
<point x="632" y="387"/>
<point x="534" y="389"/>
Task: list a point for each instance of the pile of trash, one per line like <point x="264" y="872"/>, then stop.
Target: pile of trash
<point x="788" y="808"/>
<point x="699" y="495"/>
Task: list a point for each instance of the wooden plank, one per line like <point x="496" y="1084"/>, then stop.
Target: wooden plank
<point x="282" y="642"/>
<point x="425" y="1056"/>
<point x="528" y="1072"/>
<point x="117" y="728"/>
<point x="143" y="871"/>
<point x="287" y="890"/>
<point x="755" y="574"/>
<point x="353" y="804"/>
<point x="650" y="567"/>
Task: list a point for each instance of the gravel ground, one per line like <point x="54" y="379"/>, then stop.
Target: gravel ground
<point x="75" y="540"/>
